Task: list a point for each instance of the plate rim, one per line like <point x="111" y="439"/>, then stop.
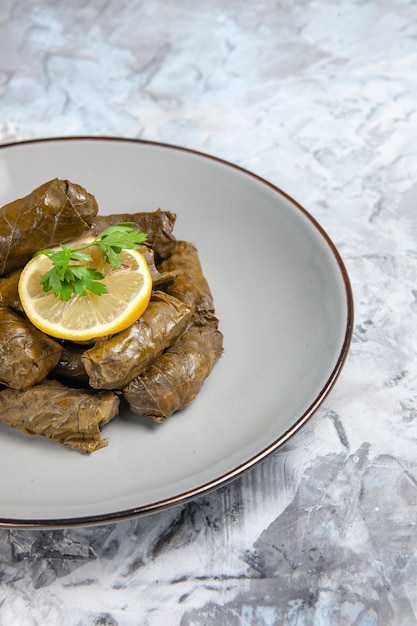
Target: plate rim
<point x="223" y="479"/>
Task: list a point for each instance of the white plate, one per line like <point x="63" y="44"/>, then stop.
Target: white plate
<point x="284" y="302"/>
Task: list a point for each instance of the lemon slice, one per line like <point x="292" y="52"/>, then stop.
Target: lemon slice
<point x="90" y="316"/>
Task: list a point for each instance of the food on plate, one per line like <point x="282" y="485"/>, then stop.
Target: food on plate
<point x="9" y="292"/>
<point x="89" y="315"/>
<point x="55" y="212"/>
<point x="113" y="362"/>
<point x="72" y="417"/>
<point x="160" y="280"/>
<point x="158" y="225"/>
<point x="26" y="355"/>
<point x="190" y="286"/>
<point x="117" y="312"/>
<point x="70" y="368"/>
<point x="175" y="378"/>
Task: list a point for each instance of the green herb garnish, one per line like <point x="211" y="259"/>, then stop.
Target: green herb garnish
<point x="66" y="278"/>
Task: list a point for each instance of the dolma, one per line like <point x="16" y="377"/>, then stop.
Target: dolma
<point x="160" y="280"/>
<point x="113" y="362"/>
<point x="190" y="286"/>
<point x="175" y="378"/>
<point x="55" y="212"/>
<point x="72" y="417"/>
<point x="9" y="293"/>
<point x="26" y="354"/>
<point x="158" y="225"/>
<point x="70" y="365"/>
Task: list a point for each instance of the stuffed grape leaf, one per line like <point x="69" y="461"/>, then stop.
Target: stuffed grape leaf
<point x="175" y="378"/>
<point x="53" y="213"/>
<point x="72" y="417"/>
<point x="26" y="354"/>
<point x="158" y="225"/>
<point x="112" y="362"/>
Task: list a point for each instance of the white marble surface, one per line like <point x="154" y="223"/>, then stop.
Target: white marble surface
<point x="320" y="98"/>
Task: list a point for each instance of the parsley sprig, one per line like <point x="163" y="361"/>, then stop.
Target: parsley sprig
<point x="70" y="273"/>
